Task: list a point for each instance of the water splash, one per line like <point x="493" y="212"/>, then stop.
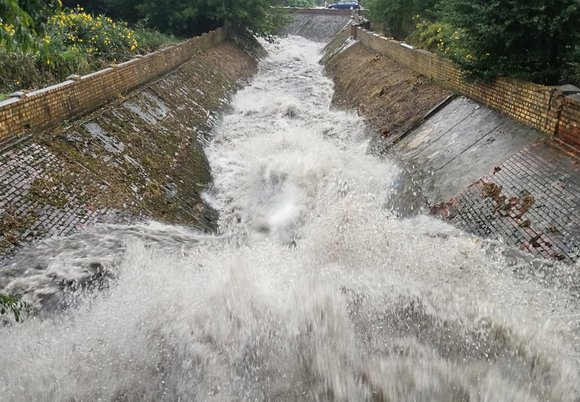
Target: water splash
<point x="312" y="290"/>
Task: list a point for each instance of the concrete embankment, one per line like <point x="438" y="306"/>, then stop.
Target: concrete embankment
<point x="392" y="97"/>
<point x="141" y="155"/>
<point x="319" y="25"/>
<point x="476" y="167"/>
<point x="138" y="157"/>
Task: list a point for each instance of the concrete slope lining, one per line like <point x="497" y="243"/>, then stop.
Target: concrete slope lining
<point x="136" y="159"/>
<point x="317" y="27"/>
<point x="495" y="177"/>
<point x="459" y="145"/>
<point x="475" y="167"/>
<point x="531" y="202"/>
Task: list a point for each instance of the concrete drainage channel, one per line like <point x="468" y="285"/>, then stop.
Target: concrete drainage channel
<point x="475" y="167"/>
<point x="312" y="288"/>
<point x="140" y="158"/>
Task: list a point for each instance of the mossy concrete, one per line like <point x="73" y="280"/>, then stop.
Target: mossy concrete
<point x="138" y="158"/>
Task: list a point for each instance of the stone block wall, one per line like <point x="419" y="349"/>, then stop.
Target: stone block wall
<point x="40" y="110"/>
<point x="544" y="108"/>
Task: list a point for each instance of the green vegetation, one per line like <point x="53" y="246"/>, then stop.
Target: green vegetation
<point x="191" y="17"/>
<point x="11" y="304"/>
<point x="398" y="15"/>
<point x="41" y="42"/>
<point x="298" y="3"/>
<point x="20" y="20"/>
<point x="536" y="40"/>
<point x="522" y="38"/>
<point x="67" y="42"/>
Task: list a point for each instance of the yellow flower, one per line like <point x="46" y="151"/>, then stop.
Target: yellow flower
<point x="8" y="28"/>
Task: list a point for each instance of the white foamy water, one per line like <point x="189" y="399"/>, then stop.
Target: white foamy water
<point x="312" y="290"/>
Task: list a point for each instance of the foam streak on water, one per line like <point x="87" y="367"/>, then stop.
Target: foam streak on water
<point x="313" y="290"/>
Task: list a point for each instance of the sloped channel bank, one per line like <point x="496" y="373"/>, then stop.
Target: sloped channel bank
<point x="476" y="167"/>
<point x="138" y="157"/>
<point x="313" y="290"/>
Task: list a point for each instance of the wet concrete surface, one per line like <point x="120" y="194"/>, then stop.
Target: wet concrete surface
<point x="30" y="209"/>
<point x="473" y="166"/>
<point x="531" y="201"/>
<point x="138" y="158"/>
<point x="461" y="143"/>
<point x="317" y="27"/>
<point x="496" y="178"/>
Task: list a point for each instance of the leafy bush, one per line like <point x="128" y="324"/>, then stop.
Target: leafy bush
<point x="398" y="16"/>
<point x="433" y="36"/>
<point x="20" y="20"/>
<point x="73" y="42"/>
<point x="536" y="40"/>
<point x="149" y="40"/>
<point x="80" y="33"/>
<point x="529" y="39"/>
<point x="20" y="70"/>
<point x="298" y="3"/>
<point x="571" y="69"/>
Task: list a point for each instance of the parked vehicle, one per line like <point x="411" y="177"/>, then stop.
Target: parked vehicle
<point x="348" y="5"/>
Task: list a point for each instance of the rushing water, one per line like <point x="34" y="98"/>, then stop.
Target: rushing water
<point x="313" y="290"/>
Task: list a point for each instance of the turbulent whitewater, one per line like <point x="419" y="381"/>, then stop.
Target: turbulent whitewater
<point x="313" y="289"/>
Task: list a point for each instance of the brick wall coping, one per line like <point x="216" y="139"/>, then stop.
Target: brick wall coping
<point x="554" y="111"/>
<point x="32" y="112"/>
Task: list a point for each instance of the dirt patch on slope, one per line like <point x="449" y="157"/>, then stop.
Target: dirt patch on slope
<point x="390" y="96"/>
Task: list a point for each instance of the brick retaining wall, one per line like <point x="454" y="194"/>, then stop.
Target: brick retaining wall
<point x="547" y="109"/>
<point x="39" y="110"/>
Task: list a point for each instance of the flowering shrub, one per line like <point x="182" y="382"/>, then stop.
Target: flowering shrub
<point x="18" y="20"/>
<point x="97" y="37"/>
<point x="433" y="36"/>
<point x="13" y="37"/>
<point x="7" y="30"/>
<point x="70" y="42"/>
